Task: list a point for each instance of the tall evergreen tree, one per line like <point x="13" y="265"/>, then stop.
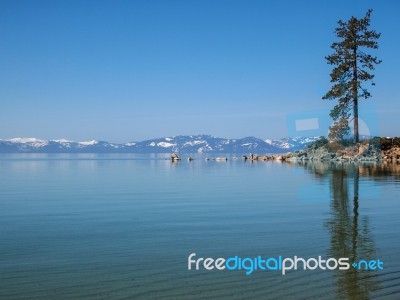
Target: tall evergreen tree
<point x="352" y="66"/>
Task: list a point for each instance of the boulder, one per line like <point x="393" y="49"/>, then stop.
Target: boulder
<point x="175" y="157"/>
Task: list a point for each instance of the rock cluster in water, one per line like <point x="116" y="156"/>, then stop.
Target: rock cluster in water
<point x="392" y="154"/>
<point x="256" y="157"/>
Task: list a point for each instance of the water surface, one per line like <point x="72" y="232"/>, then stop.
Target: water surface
<point x="122" y="226"/>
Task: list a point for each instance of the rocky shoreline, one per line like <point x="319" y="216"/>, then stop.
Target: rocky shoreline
<point x="355" y="153"/>
<point x="374" y="150"/>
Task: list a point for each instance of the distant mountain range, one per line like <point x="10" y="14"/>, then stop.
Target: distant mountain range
<point x="181" y="144"/>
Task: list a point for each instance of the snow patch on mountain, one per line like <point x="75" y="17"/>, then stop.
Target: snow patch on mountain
<point x="192" y="143"/>
<point x="165" y="145"/>
<point x="89" y="143"/>
<point x="26" y="140"/>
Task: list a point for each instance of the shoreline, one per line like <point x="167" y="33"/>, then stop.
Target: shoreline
<point x="373" y="150"/>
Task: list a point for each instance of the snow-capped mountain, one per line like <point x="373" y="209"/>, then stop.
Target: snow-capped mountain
<point x="294" y="143"/>
<point x="182" y="144"/>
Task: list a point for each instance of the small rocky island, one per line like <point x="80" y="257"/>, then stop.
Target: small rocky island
<point x="374" y="149"/>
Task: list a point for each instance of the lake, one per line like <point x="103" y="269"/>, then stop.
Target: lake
<point x="121" y="226"/>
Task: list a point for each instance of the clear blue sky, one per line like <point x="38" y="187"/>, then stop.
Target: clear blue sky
<point x="132" y="70"/>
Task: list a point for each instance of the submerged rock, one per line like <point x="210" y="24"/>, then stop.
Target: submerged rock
<point x="221" y="158"/>
<point x="175" y="157"/>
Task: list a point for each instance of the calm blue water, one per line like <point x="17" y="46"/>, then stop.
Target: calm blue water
<point x="122" y="226"/>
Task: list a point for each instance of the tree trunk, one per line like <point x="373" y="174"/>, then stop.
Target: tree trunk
<point x="355" y="96"/>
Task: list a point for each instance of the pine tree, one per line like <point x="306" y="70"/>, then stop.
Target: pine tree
<point x="351" y="70"/>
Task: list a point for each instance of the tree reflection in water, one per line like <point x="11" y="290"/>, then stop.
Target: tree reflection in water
<point x="350" y="234"/>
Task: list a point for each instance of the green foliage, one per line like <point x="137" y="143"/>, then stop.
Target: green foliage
<point x="351" y="69"/>
<point x="347" y="142"/>
<point x="321" y="142"/>
<point x="339" y="129"/>
<point x="376" y="142"/>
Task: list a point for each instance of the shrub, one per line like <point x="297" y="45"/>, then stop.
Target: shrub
<point x="322" y="141"/>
